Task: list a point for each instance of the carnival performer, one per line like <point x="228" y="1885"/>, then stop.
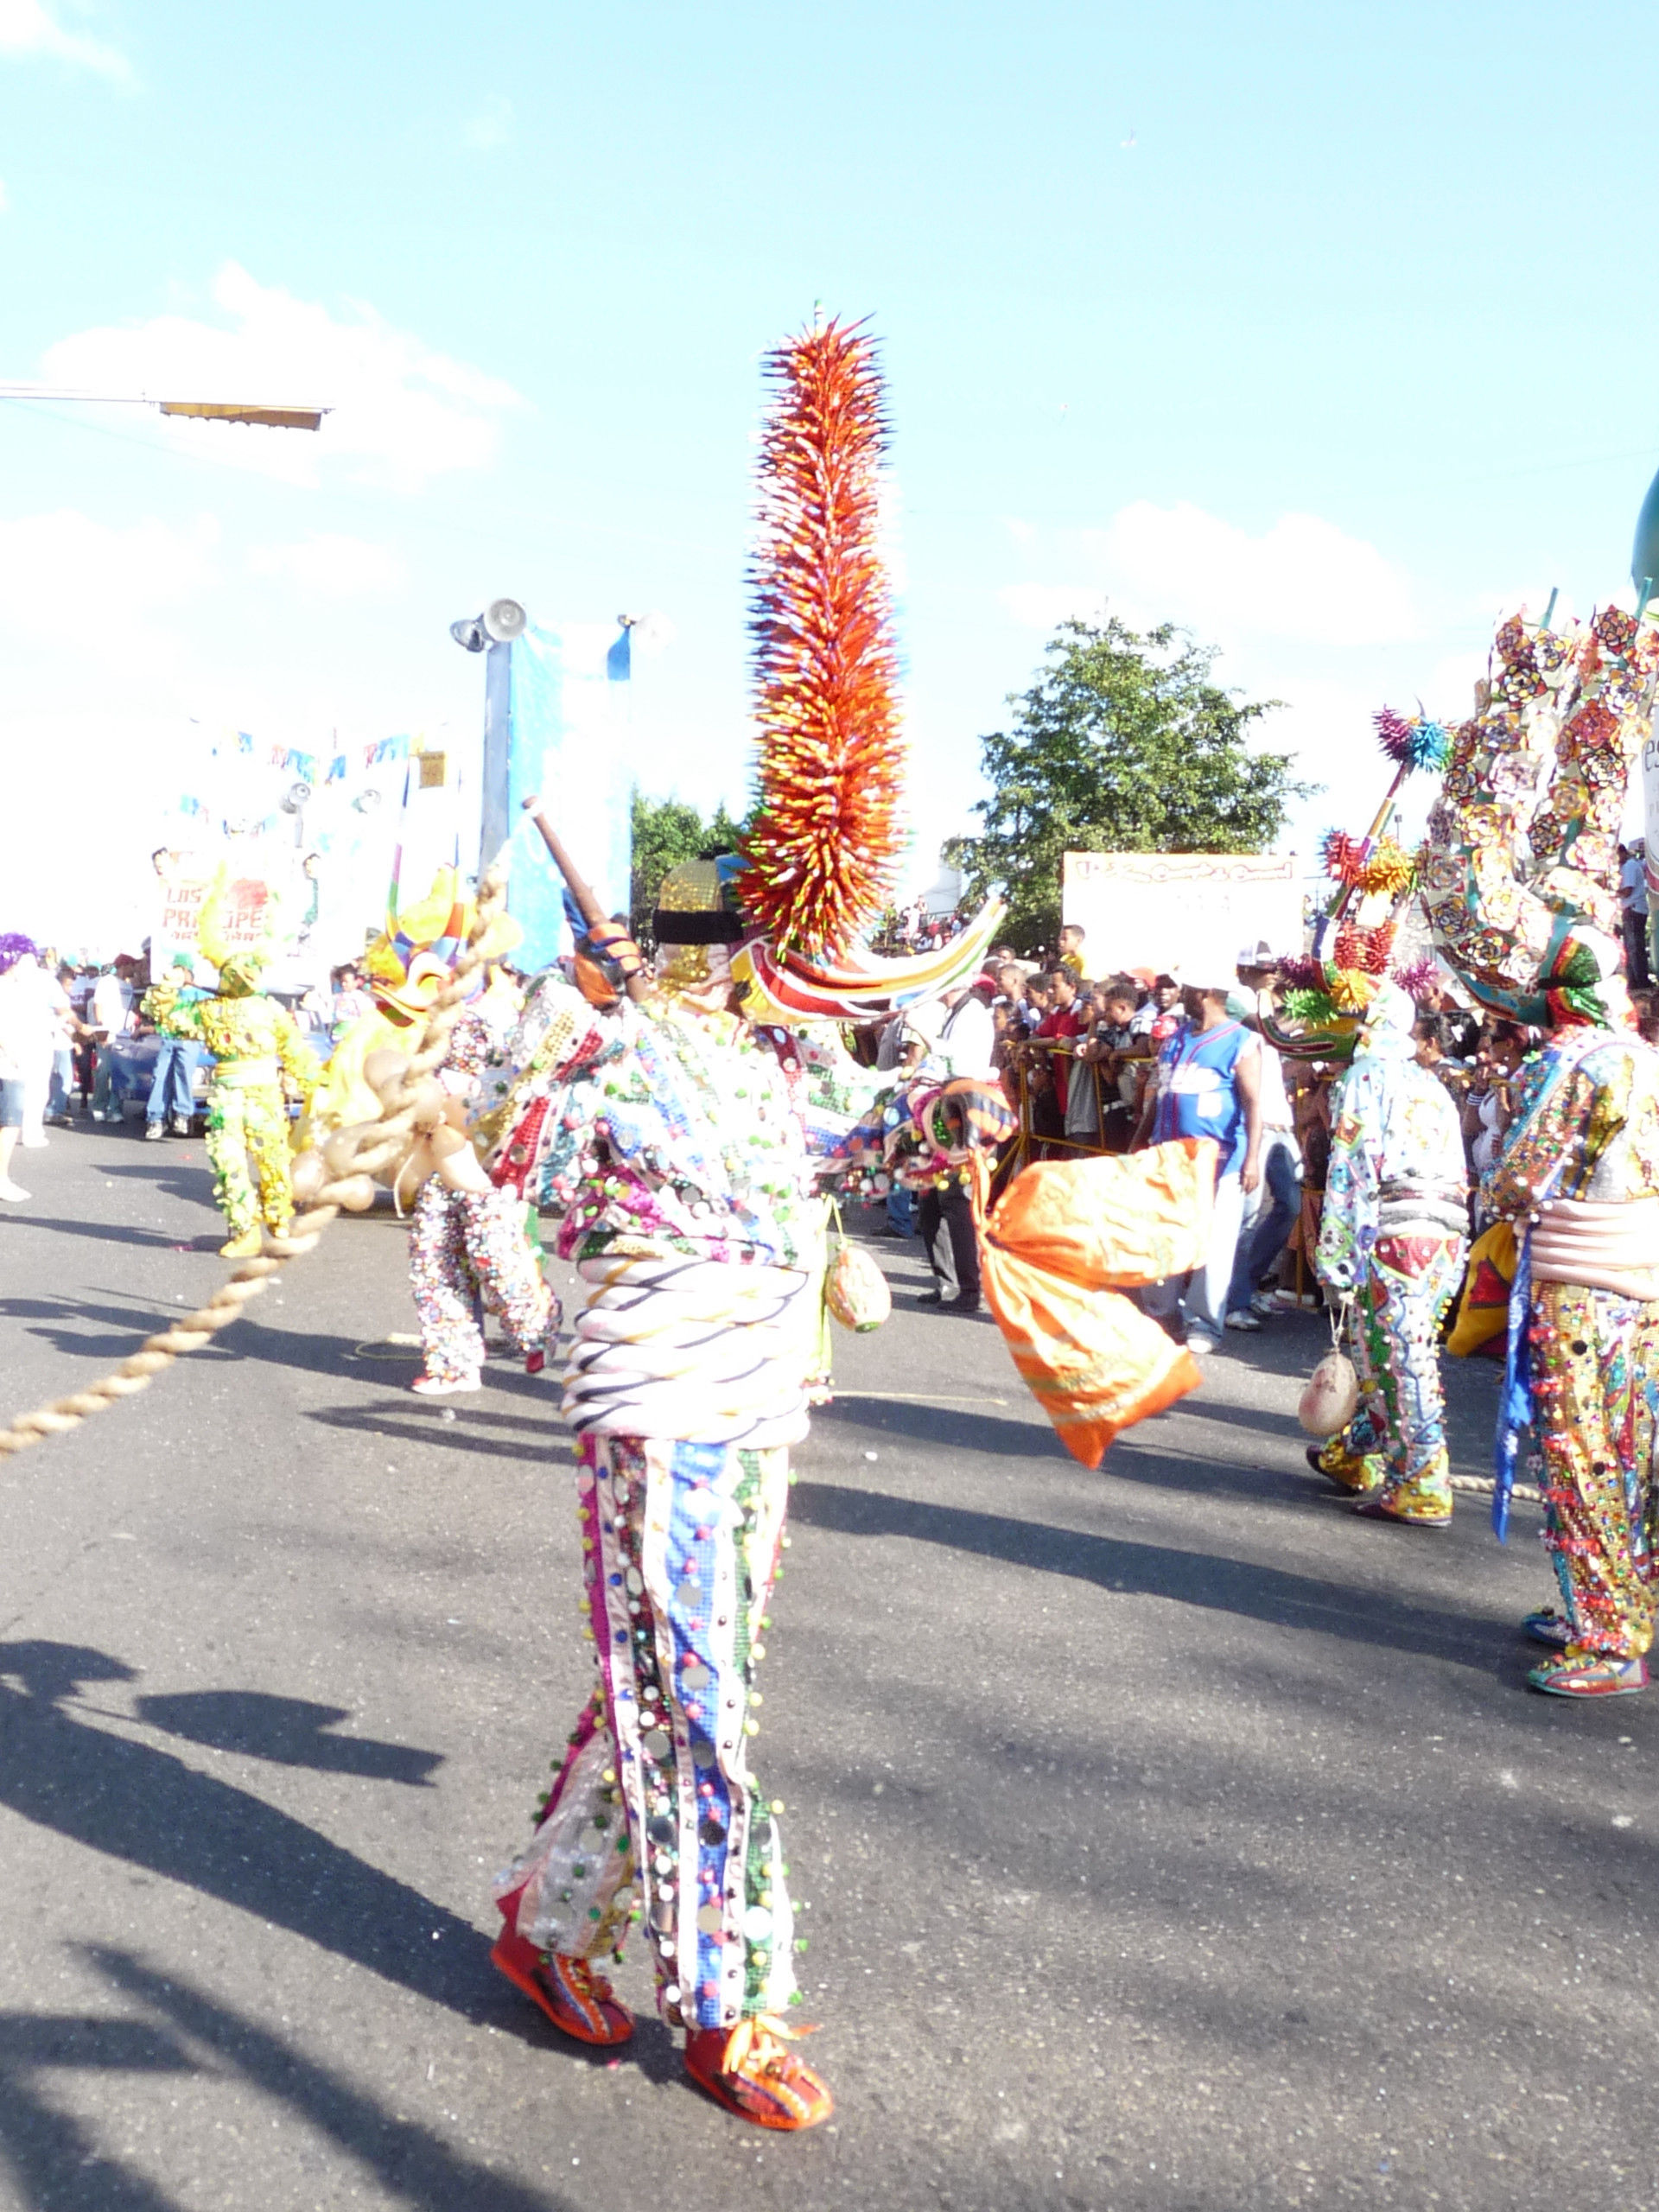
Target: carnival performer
<point x="467" y="1247"/>
<point x="1521" y="886"/>
<point x="664" y="1135"/>
<point x="469" y="1253"/>
<point x="256" y="1045"/>
<point x="1391" y="1247"/>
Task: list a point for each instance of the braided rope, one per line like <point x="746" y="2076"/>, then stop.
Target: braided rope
<point x="1482" y="1486"/>
<point x="376" y="1145"/>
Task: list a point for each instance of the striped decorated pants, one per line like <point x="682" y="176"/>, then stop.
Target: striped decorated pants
<point x="653" y="1806"/>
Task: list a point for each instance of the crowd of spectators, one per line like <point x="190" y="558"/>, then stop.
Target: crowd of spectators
<point x="1140" y="1056"/>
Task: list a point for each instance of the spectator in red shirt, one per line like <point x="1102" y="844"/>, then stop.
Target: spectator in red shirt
<point x="1066" y="1018"/>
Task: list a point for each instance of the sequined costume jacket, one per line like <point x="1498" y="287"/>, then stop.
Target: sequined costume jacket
<point x="656" y="1129"/>
<point x="252" y="1039"/>
<point x="1587" y="1126"/>
<point x="1397" y="1163"/>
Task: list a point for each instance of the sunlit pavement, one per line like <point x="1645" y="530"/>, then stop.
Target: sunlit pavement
<point x="1170" y="1838"/>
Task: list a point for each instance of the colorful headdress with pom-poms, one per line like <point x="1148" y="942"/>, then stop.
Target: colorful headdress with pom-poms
<point x="15" y="947"/>
<point x="1520" y="871"/>
<point x="1329" y="995"/>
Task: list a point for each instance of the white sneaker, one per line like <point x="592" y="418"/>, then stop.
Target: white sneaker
<point x="1264" y="1303"/>
<point x="1200" y="1340"/>
<point x="1243" y="1319"/>
<point x="12" y="1196"/>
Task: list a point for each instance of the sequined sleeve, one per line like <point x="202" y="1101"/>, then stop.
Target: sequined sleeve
<point x="298" y="1062"/>
<point x="1564" y="1122"/>
<point x="173" y="1014"/>
<point x="1348" y="1224"/>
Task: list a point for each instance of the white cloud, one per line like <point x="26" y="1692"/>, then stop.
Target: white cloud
<point x="66" y="580"/>
<point x="27" y="28"/>
<point x="332" y="566"/>
<point x="489" y="125"/>
<point x="401" y="413"/>
<point x="1303" y="579"/>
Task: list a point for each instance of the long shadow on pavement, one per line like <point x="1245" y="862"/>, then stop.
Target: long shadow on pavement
<point x="147" y="1807"/>
<point x="287" y="1731"/>
<point x="58" y="2162"/>
<point x="1241" y="1586"/>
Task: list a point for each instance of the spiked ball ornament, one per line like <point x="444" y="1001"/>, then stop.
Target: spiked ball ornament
<point x="818" y="862"/>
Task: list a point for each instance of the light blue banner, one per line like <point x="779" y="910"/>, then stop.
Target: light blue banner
<point x="567" y="739"/>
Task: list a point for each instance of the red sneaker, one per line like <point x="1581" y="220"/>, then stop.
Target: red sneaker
<point x="573" y="1995"/>
<point x="752" y="2071"/>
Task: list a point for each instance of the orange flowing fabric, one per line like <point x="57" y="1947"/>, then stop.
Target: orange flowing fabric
<point x="1065" y="1239"/>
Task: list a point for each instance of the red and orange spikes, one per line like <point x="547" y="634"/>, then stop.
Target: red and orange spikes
<point x="820" y="857"/>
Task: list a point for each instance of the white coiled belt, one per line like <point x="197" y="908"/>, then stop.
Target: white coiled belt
<point x="692" y="1350"/>
<point x="1598" y="1247"/>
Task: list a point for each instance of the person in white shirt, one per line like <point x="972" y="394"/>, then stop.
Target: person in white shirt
<point x="20" y="1024"/>
<point x="967" y="1040"/>
<point x="109" y="1017"/>
<point x="37" y="986"/>
<point x="1633" y="897"/>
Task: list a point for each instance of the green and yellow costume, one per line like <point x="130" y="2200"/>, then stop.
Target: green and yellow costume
<point x="254" y="1043"/>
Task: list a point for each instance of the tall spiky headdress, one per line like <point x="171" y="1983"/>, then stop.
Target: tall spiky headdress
<point x="1520" y="871"/>
<point x="819" y="860"/>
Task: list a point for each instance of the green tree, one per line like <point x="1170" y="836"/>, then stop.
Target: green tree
<point x="1123" y="744"/>
<point x="665" y="832"/>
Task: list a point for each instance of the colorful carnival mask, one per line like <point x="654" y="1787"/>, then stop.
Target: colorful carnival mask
<point x="414" y="959"/>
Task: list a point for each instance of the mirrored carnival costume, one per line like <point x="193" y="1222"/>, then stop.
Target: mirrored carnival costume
<point x="1393" y="1239"/>
<point x="1520" y="885"/>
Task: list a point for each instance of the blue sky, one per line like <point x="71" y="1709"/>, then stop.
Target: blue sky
<point x="1326" y="331"/>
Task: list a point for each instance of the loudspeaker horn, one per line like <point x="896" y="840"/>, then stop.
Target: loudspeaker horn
<point x="504" y="619"/>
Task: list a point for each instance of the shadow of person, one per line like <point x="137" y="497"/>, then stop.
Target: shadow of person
<point x="287" y="1731"/>
<point x="411" y="2162"/>
<point x="143" y="1805"/>
<point x="53" y="2154"/>
<point x="1278" y="1596"/>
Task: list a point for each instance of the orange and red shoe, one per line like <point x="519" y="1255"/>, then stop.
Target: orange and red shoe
<point x="574" y="1996"/>
<point x="753" y="2072"/>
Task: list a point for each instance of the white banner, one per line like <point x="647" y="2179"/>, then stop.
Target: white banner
<point x="1189" y="912"/>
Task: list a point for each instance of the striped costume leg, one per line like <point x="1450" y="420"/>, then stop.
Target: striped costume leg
<point x="1596" y="1401"/>
<point x="680" y="1547"/>
<point x="1421" y="1276"/>
<point x="572" y="1889"/>
<point x="1355" y="1454"/>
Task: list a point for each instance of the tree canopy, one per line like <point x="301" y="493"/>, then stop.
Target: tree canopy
<point x="665" y="832"/>
<point x="1123" y="744"/>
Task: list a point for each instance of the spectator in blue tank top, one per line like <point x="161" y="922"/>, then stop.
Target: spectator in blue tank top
<point x="1208" y="1084"/>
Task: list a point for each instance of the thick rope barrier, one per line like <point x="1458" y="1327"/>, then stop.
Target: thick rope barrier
<point x="1482" y="1486"/>
<point x="376" y="1145"/>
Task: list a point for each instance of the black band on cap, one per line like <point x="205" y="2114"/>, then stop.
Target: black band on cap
<point x="716" y="928"/>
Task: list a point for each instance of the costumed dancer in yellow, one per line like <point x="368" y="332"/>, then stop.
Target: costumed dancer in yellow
<point x="255" y="1045"/>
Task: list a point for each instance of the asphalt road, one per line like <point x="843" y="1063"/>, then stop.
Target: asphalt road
<point x="1172" y="1840"/>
